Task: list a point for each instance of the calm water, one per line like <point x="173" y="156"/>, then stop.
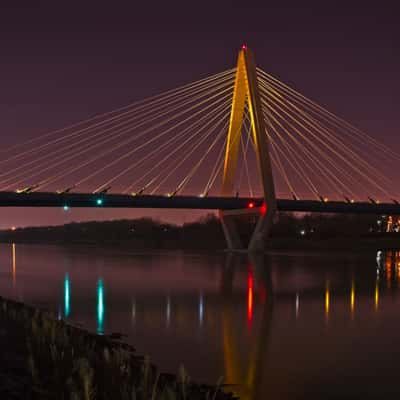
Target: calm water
<point x="281" y="327"/>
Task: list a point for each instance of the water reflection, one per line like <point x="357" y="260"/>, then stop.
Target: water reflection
<point x="327" y="300"/>
<point x="250" y="297"/>
<point x="245" y="375"/>
<point x="100" y="306"/>
<point x="201" y="309"/>
<point x="67" y="296"/>
<point x="352" y="297"/>
<point x="168" y="311"/>
<point x="233" y="316"/>
<point x="380" y="260"/>
<point x="14" y="265"/>
<point x="133" y="311"/>
<point x="388" y="271"/>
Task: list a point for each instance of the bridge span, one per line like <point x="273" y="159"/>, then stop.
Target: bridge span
<point x="241" y="127"/>
<point x="100" y="200"/>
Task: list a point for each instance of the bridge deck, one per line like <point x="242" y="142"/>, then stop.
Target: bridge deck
<point x="49" y="199"/>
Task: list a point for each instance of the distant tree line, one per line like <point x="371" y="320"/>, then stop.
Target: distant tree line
<point x="204" y="233"/>
<point x="137" y="233"/>
<point x="325" y="226"/>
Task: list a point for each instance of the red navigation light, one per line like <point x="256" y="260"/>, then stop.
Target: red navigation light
<point x="250" y="205"/>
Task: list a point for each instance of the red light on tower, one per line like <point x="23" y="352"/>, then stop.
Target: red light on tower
<point x="250" y="205"/>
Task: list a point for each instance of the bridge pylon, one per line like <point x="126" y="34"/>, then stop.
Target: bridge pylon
<point x="246" y="91"/>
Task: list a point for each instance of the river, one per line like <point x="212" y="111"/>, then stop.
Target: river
<point x="284" y="325"/>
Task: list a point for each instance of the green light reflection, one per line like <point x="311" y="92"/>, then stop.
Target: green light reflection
<point x="67" y="296"/>
<point x="100" y="306"/>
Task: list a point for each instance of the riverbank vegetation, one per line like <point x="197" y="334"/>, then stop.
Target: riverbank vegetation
<point x="45" y="358"/>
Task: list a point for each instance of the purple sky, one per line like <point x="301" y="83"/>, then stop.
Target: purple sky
<point x="61" y="64"/>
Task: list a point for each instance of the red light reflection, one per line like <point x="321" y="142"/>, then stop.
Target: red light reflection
<point x="250" y="297"/>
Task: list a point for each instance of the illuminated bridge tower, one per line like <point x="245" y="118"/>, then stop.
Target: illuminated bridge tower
<point x="246" y="91"/>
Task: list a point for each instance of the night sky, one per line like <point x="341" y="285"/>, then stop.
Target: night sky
<point x="62" y="64"/>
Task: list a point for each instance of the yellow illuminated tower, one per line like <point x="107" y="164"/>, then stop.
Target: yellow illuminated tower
<point x="246" y="91"/>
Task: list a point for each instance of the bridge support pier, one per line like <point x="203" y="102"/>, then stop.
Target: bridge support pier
<point x="246" y="92"/>
<point x="258" y="238"/>
<point x="232" y="237"/>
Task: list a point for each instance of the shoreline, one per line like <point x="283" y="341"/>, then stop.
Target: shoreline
<point x="272" y="245"/>
<point x="49" y="358"/>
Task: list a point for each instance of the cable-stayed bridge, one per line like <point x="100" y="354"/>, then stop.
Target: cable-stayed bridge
<point x="240" y="141"/>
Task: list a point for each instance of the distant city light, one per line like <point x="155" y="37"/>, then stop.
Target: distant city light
<point x="250" y="205"/>
<point x="66" y="208"/>
<point x="99" y="202"/>
<point x="13" y="228"/>
<point x="302" y="232"/>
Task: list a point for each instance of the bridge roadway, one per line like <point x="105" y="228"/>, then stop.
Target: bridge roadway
<point x="50" y="199"/>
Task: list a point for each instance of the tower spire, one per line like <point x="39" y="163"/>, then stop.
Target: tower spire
<point x="246" y="91"/>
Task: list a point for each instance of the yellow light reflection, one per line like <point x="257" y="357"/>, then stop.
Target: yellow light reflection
<point x="389" y="276"/>
<point x="352" y="297"/>
<point x="327" y="300"/>
<point x="376" y="295"/>
<point x="388" y="261"/>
